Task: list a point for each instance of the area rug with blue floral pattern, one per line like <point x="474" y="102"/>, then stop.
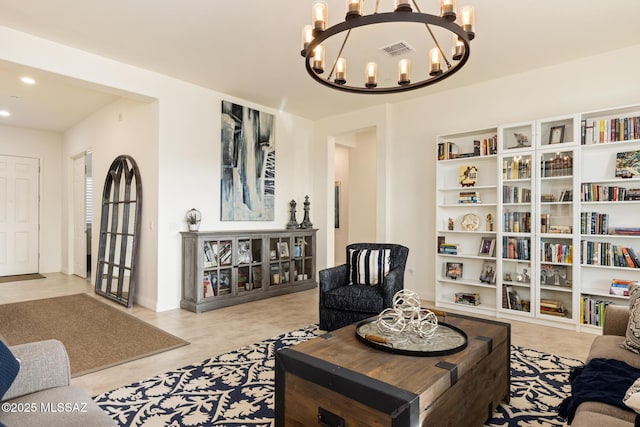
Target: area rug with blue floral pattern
<point x="237" y="389"/>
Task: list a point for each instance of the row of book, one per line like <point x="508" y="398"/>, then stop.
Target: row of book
<point x="449" y="248"/>
<point x="592" y="310"/>
<point x="516" y="168"/>
<point x="608" y="254"/>
<point x="552" y="307"/>
<point x="468" y="197"/>
<point x="627" y="231"/>
<point x="594" y="223"/>
<point x="620" y="287"/>
<point x="556" y="253"/>
<point x="517" y="222"/>
<point x="604" y="193"/>
<point x="516" y="248"/>
<point x="512" y="301"/>
<point x="598" y="131"/>
<point x="216" y="283"/>
<point x="513" y="194"/>
<point x="556" y="166"/>
<point x="484" y="147"/>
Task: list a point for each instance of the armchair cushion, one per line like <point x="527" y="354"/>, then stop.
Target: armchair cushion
<point x="369" y="266"/>
<point x="9" y="367"/>
<point x="367" y="299"/>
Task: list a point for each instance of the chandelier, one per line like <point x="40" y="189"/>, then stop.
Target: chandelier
<point x="439" y="46"/>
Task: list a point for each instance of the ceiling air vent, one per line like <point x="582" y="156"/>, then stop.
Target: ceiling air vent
<point x="397" y="48"/>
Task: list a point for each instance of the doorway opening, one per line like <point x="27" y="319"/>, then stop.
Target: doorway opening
<point x="82" y="214"/>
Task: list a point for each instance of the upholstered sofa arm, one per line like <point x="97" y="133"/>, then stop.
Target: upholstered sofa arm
<point x="616" y="318"/>
<point x="333" y="277"/>
<point x="43" y="365"/>
<point x="393" y="282"/>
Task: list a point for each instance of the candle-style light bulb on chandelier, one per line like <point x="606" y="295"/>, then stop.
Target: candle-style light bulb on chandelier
<point x="451" y="28"/>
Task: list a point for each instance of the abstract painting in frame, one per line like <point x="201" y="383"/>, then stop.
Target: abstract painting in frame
<point x="247" y="188"/>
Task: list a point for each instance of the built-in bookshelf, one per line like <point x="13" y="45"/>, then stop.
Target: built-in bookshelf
<point x="558" y="200"/>
<point x="466" y="220"/>
<point x="609" y="202"/>
<point x="227" y="268"/>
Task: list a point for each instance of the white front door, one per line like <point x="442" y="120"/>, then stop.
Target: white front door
<point x="19" y="221"/>
<point x="79" y="218"/>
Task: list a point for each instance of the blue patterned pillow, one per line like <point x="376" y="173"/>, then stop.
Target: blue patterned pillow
<point x="9" y="367"/>
<point x="369" y="266"/>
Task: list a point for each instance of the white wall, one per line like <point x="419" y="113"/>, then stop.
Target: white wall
<point x="123" y="127"/>
<point x="46" y="146"/>
<point x="362" y="195"/>
<point x="187" y="148"/>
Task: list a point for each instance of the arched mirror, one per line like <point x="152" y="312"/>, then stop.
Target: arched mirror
<point x="119" y="231"/>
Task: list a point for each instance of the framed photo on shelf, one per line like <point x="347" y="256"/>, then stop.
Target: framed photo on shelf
<point x="283" y="250"/>
<point x="487" y="246"/>
<point x="488" y="273"/>
<point x="556" y="134"/>
<point x="553" y="275"/>
<point x="453" y="270"/>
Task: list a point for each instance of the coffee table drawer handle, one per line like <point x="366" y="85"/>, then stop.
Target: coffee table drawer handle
<point x="329" y="419"/>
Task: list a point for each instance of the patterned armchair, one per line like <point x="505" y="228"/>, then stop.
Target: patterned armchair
<point x="362" y="287"/>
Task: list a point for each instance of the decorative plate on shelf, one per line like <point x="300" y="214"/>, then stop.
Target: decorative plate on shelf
<point x="470" y="222"/>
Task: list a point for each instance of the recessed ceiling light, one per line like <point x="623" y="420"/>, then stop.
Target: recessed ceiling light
<point x="28" y="80"/>
<point x="4" y="113"/>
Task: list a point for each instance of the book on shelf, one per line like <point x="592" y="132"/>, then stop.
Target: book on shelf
<point x="516" y="248"/>
<point x="552" y="307"/>
<point x="468" y="197"/>
<point x="608" y="254"/>
<point x="560" y="229"/>
<point x="602" y="130"/>
<point x="207" y="287"/>
<point x="516" y="168"/>
<point x="224" y="253"/>
<point x="557" y="166"/>
<point x="449" y="248"/>
<point x="515" y="194"/>
<point x="590" y="192"/>
<point x="592" y="310"/>
<point x="209" y="255"/>
<point x="631" y="231"/>
<point x="467" y="298"/>
<point x="594" y="223"/>
<point x="620" y="287"/>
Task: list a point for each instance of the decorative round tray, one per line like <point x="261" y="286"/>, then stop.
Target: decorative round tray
<point x="446" y="339"/>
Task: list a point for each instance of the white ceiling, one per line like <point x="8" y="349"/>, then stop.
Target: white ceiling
<point x="250" y="49"/>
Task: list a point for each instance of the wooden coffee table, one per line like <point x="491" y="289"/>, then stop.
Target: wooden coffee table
<point x="336" y="380"/>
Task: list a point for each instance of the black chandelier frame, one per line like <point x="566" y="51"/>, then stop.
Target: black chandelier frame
<point x="381" y="18"/>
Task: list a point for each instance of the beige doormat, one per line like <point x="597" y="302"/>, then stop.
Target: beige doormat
<point x="19" y="277"/>
<point x="96" y="335"/>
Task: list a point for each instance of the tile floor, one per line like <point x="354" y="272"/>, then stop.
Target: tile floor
<point x="221" y="330"/>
